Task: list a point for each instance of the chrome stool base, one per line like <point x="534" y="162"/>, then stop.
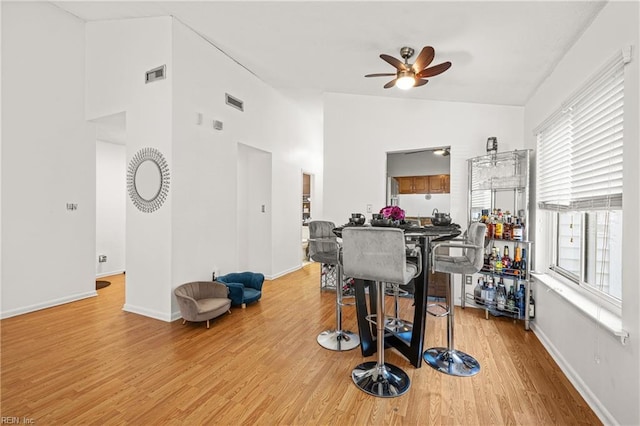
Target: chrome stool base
<point x="386" y="380"/>
<point x="335" y="340"/>
<point x="452" y="362"/>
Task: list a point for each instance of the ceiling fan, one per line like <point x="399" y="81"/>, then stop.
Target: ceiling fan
<point x="412" y="75"/>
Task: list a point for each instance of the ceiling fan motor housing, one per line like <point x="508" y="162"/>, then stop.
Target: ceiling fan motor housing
<point x="406" y="52"/>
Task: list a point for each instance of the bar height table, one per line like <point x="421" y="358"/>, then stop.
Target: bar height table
<point x="410" y="343"/>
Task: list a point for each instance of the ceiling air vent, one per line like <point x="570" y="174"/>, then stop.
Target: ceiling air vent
<point x="159" y="73"/>
<point x="234" y="102"/>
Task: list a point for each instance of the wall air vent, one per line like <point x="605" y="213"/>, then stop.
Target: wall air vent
<point x="234" y="102"/>
<point x="155" y="74"/>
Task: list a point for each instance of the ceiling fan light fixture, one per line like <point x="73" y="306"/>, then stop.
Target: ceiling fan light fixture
<point x="406" y="80"/>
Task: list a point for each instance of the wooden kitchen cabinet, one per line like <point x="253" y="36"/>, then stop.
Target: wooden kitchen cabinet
<point x="437" y="184"/>
<point x="405" y="184"/>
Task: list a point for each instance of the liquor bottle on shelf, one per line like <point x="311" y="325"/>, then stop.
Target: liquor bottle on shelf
<point x="490" y="292"/>
<point x="499" y="226"/>
<point x="499" y="267"/>
<point x="493" y="258"/>
<point x="506" y="260"/>
<point x="511" y="299"/>
<point x="507" y="228"/>
<point x="520" y="300"/>
<point x="501" y="295"/>
<point x="532" y="305"/>
<point x="477" y="292"/>
<point x="483" y="291"/>
<point x="517" y="260"/>
<point x="484" y="218"/>
<point x="523" y="263"/>
<point x="491" y="227"/>
<point x="518" y="230"/>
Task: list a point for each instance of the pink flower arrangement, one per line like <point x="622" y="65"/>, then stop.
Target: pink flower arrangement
<point x="392" y="212"/>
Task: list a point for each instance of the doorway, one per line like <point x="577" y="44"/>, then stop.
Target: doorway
<point x="307" y="180"/>
<point x="418" y="182"/>
<point x="110" y="194"/>
<point x="254" y="209"/>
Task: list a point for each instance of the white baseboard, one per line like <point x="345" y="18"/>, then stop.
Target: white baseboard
<point x="600" y="410"/>
<point x="106" y="274"/>
<point x="285" y="272"/>
<point x="47" y="304"/>
<point x="175" y="316"/>
<point x="147" y="312"/>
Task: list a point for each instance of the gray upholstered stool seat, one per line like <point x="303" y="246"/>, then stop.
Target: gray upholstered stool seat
<point x="449" y="360"/>
<point x="378" y="254"/>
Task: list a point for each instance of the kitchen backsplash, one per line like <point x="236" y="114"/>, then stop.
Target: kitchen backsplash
<point x="417" y="205"/>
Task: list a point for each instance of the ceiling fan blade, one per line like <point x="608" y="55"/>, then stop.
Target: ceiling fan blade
<point x="434" y="70"/>
<point x="390" y="84"/>
<point x="420" y="83"/>
<point x="393" y="61"/>
<point x="424" y="59"/>
<point x="384" y="74"/>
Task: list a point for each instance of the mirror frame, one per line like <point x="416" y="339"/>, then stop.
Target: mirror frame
<point x="155" y="156"/>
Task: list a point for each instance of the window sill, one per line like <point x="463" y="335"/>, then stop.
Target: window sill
<point x="607" y="319"/>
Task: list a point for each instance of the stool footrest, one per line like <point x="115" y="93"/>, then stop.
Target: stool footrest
<point x="444" y="308"/>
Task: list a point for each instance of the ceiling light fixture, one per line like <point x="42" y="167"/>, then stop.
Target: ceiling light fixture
<point x="442" y="151"/>
<point x="406" y="80"/>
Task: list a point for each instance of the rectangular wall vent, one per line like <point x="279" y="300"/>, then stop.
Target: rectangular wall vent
<point x="155" y="74"/>
<point x="234" y="102"/>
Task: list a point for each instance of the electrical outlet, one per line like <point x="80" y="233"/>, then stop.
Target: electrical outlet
<point x="468" y="279"/>
<point x="102" y="258"/>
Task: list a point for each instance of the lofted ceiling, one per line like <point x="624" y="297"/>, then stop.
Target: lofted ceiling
<point x="501" y="51"/>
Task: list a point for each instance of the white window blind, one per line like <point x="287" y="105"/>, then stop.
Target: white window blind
<point x="580" y="146"/>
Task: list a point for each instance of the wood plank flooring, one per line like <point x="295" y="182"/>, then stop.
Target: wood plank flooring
<point x="89" y="362"/>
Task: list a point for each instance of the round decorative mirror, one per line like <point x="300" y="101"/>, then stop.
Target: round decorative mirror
<point x="148" y="179"/>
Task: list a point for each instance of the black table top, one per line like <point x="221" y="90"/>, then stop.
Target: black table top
<point x="451" y="230"/>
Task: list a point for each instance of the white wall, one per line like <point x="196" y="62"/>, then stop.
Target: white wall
<point x="48" y="160"/>
<point x="111" y="204"/>
<point x="422" y="206"/>
<point x="606" y="373"/>
<point x="360" y="130"/>
<point x="417" y="164"/>
<point x="118" y="54"/>
<point x="206" y="161"/>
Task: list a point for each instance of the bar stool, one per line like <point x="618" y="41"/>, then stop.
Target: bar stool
<point x="378" y="254"/>
<point x="324" y="248"/>
<point x="395" y="323"/>
<point x="449" y="360"/>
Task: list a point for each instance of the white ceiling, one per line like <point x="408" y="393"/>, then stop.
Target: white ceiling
<point x="501" y="51"/>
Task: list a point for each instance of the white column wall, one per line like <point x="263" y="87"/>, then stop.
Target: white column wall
<point x="605" y="372"/>
<point x="205" y="208"/>
<point x="48" y="160"/>
<point x="119" y="52"/>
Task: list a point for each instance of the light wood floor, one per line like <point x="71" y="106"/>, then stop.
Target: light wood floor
<point x="89" y="362"/>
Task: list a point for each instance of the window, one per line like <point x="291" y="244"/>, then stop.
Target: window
<point x="588" y="249"/>
<point x="579" y="177"/>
